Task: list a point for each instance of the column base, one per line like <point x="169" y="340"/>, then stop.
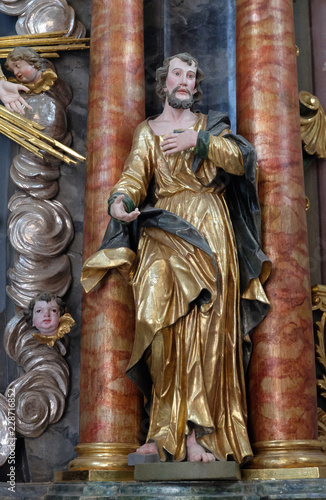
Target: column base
<point x="284" y="474"/>
<point x="103" y="460"/>
<point x="287" y="454"/>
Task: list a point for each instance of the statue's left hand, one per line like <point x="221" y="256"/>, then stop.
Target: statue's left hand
<point x="175" y="142"/>
<point x="11" y="98"/>
<point x="119" y="212"/>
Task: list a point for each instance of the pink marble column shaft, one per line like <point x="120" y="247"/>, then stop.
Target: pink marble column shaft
<point x="282" y="388"/>
<point x="318" y="16"/>
<point x="109" y="403"/>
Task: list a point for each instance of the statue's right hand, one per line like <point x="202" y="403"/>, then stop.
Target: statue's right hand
<point x="118" y="210"/>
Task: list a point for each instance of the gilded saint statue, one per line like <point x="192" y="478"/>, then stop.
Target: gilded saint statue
<point x="185" y="218"/>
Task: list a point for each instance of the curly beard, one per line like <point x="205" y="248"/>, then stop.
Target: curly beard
<point x="176" y="103"/>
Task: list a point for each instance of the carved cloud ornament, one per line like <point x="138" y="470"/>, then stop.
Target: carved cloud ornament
<point x="42" y="16"/>
<point x="5" y="438"/>
<point x="40" y="230"/>
<point x="41" y="392"/>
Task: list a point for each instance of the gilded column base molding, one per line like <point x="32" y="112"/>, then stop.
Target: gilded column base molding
<point x="283" y="474"/>
<point x="287" y="454"/>
<point x="103" y="460"/>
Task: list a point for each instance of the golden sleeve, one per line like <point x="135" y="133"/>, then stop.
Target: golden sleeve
<point x="225" y="154"/>
<point x="222" y="154"/>
<point x="138" y="169"/>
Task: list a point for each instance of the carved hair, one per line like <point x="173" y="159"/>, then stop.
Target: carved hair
<point x="46" y="297"/>
<point x="162" y="73"/>
<point x="25" y="54"/>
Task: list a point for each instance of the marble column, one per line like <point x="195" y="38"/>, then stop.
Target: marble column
<point x="110" y="410"/>
<point x="282" y="381"/>
<point x="318" y="13"/>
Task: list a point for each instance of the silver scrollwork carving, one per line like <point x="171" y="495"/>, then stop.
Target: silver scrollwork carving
<point x="38" y="228"/>
<point x="4" y="430"/>
<point x="43" y="16"/>
<point x="40" y="393"/>
<point x="29" y="276"/>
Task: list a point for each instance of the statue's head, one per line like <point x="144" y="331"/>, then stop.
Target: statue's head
<point x="26" y="64"/>
<point x="163" y="72"/>
<point x="44" y="313"/>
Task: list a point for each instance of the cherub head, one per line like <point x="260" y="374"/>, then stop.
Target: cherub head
<point x="166" y="73"/>
<point x="44" y="313"/>
<point x="26" y="65"/>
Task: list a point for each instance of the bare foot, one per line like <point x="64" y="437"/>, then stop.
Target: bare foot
<point x="147" y="448"/>
<point x="195" y="452"/>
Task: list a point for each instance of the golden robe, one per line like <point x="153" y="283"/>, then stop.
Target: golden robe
<point x="192" y="347"/>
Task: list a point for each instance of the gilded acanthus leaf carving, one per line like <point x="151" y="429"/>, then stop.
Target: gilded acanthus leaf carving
<point x="320" y="347"/>
<point x="313" y="125"/>
<point x="321" y="353"/>
<point x="322" y="428"/>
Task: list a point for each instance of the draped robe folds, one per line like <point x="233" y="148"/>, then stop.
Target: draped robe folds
<point x="190" y="292"/>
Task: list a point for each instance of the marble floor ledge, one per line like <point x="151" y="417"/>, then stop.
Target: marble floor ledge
<point x="185" y="490"/>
